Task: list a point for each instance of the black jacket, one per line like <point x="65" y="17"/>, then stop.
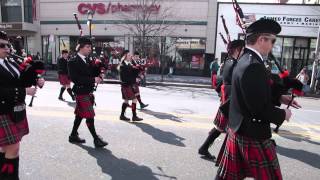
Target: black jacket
<point x="251" y="106"/>
<point x="62" y="66"/>
<point x="227" y="75"/>
<point x="81" y="74"/>
<point x="128" y="74"/>
<point x="12" y="90"/>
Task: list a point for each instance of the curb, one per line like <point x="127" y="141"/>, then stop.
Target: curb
<point x="151" y="83"/>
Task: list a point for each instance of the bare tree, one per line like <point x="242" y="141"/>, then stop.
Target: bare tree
<point x="147" y="22"/>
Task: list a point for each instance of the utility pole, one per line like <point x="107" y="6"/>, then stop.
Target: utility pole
<point x="315" y="63"/>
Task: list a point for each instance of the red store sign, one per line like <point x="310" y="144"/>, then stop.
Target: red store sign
<point x="101" y="8"/>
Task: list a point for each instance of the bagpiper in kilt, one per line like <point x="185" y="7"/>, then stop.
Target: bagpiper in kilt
<point x="136" y="62"/>
<point x="84" y="77"/>
<point x="249" y="151"/>
<point x="234" y="51"/>
<point x="128" y="75"/>
<point x="64" y="75"/>
<point x="14" y="86"/>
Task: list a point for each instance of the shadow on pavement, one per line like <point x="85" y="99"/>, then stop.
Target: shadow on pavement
<point x="162" y="115"/>
<point x="118" y="168"/>
<point x="309" y="158"/>
<point x="160" y="135"/>
<point x="71" y="103"/>
<point x="296" y="137"/>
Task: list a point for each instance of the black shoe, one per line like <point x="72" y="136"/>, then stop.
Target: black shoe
<point x="136" y="118"/>
<point x="73" y="98"/>
<point x="61" y="98"/>
<point x="206" y="154"/>
<point x="99" y="142"/>
<point x="124" y="118"/>
<point x="143" y="106"/>
<point x="76" y="139"/>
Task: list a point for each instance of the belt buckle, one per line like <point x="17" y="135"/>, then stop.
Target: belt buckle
<point x="19" y="108"/>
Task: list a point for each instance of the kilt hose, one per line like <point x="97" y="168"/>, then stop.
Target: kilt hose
<point x="84" y="106"/>
<point x="10" y="132"/>
<point x="64" y="79"/>
<point x="247" y="157"/>
<point x="127" y="92"/>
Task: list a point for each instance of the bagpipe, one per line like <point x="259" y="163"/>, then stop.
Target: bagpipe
<point x="32" y="70"/>
<point x="96" y="62"/>
<point x="283" y="84"/>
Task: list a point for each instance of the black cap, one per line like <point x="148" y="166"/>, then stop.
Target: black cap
<point x="64" y="51"/>
<point x="264" y="26"/>
<point x="136" y="53"/>
<point x="236" y="44"/>
<point x="3" y="35"/>
<point x="84" y="40"/>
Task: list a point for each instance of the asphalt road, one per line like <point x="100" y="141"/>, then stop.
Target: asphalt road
<point x="163" y="146"/>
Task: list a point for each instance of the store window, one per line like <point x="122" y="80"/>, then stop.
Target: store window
<point x="28" y="8"/>
<point x="11" y="11"/>
<point x="47" y="48"/>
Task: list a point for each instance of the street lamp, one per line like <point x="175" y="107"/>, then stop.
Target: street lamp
<point x="90" y="17"/>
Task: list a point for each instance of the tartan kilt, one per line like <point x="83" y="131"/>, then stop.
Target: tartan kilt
<point x="135" y="88"/>
<point x="127" y="92"/>
<point x="84" y="106"/>
<point x="220" y="121"/>
<point x="10" y="132"/>
<point x="246" y="157"/>
<point x="64" y="79"/>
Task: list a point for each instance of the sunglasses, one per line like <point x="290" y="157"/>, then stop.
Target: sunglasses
<point x="2" y="45"/>
<point x="273" y="39"/>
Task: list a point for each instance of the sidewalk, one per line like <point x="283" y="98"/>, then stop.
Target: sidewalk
<point x="154" y="79"/>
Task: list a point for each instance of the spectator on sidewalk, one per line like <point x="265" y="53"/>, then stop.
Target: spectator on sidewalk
<point x="318" y="81"/>
<point x="304" y="78"/>
<point x="214" y="67"/>
<point x="172" y="64"/>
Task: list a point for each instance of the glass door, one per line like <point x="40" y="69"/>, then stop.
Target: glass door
<point x="300" y="55"/>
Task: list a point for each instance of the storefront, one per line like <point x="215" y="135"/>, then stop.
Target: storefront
<point x="184" y="21"/>
<point x="295" y="44"/>
<point x="19" y="19"/>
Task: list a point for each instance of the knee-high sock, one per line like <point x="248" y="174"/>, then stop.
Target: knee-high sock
<point x="10" y="168"/>
<point x="70" y="92"/>
<point x="76" y="124"/>
<point x="139" y="99"/>
<point x="214" y="133"/>
<point x="2" y="155"/>
<point x="134" y="109"/>
<point x="62" y="91"/>
<point x="91" y="127"/>
<point x="123" y="108"/>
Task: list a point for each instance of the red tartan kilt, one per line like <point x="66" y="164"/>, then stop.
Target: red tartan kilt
<point x="220" y="121"/>
<point x="64" y="79"/>
<point x="84" y="106"/>
<point x="10" y="132"/>
<point x="135" y="88"/>
<point x="246" y="157"/>
<point x="127" y="92"/>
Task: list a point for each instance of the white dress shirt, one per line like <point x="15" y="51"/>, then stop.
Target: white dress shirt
<point x="13" y="67"/>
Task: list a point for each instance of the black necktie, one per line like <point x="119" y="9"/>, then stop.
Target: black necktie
<point x="12" y="71"/>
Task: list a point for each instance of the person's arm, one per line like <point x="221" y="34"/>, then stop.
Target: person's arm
<point x="257" y="96"/>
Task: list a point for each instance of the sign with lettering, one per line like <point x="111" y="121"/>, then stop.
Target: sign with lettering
<point x="102" y="8"/>
<point x="8" y="26"/>
<point x="288" y="20"/>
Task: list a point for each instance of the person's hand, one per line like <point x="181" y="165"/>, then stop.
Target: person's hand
<point x="286" y="99"/>
<point x="40" y="82"/>
<point x="31" y="91"/>
<point x="97" y="80"/>
<point x="288" y="114"/>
